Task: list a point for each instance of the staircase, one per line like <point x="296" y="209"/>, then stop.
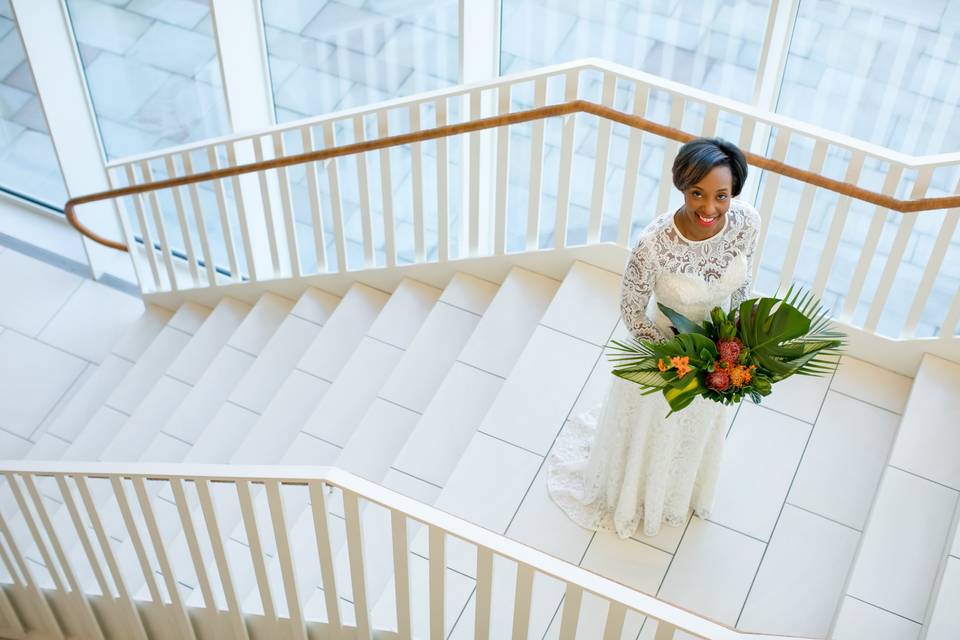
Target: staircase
<point x="409" y="389"/>
<point x="905" y="582"/>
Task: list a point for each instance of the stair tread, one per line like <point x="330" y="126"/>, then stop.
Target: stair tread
<point x="208" y="339"/>
<point x="945" y="619"/>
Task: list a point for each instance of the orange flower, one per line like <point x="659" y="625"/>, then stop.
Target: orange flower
<point x="740" y="375"/>
<point x="661" y="366"/>
<point x="682" y="363"/>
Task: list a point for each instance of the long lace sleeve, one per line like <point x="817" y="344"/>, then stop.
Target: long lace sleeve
<point x="635" y="292"/>
<point x="749" y="236"/>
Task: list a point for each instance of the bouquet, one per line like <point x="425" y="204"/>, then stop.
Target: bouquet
<point x="731" y="355"/>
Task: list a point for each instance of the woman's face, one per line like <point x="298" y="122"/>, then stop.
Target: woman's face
<point x="705" y="203"/>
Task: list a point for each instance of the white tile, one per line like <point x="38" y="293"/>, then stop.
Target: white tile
<point x="33" y="378"/>
<point x="537" y="397"/>
<point x="164" y="448"/>
<point x="88" y="324"/>
<point x="404" y="313"/>
<point x="903" y="544"/>
<point x="872" y="384"/>
<point x="457" y="590"/>
<point x="448" y="424"/>
<point x="207" y="341"/>
<point x="847" y="453"/>
<point x="307" y="450"/>
<point x="798" y="396"/>
<point x="208" y="394"/>
<point x="760" y="458"/>
<point x="377" y="440"/>
<point x="712" y="571"/>
<point x="410" y="486"/>
<point x="223" y="434"/>
<point x="469" y="293"/>
<point x="486" y="488"/>
<point x="47" y="447"/>
<point x="315" y="305"/>
<point x="340" y="411"/>
<point x="944" y="622"/>
<point x="148" y="369"/>
<point x="32" y="291"/>
<point x="297" y="397"/>
<point x="343" y="331"/>
<point x="509" y="322"/>
<point x="627" y="561"/>
<point x="429" y="357"/>
<point x="189" y="317"/>
<point x="260" y="324"/>
<point x="75" y="412"/>
<point x="859" y="620"/>
<point x="587" y="305"/>
<point x="539" y="514"/>
<point x="545" y="597"/>
<point x="146" y="422"/>
<point x="275" y="362"/>
<point x="12" y="445"/>
<point x="68" y="397"/>
<point x="595" y="389"/>
<point x="101" y="428"/>
<point x="141" y="332"/>
<point x="801" y="577"/>
<point x="929" y="435"/>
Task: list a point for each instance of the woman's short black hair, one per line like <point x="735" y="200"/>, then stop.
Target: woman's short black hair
<point x="699" y="156"/>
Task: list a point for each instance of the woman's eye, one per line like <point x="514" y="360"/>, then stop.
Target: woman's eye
<point x="696" y="194"/>
<point x="722" y="196"/>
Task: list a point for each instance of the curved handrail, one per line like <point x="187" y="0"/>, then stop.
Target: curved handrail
<point x="539" y="113"/>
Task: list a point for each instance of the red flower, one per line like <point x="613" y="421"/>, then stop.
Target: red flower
<point x="719" y="380"/>
<point x="729" y="350"/>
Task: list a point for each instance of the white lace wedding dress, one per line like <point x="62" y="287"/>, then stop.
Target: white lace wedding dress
<point x="623" y="463"/>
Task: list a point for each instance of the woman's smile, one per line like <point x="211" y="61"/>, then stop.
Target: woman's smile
<point x="705" y="221"/>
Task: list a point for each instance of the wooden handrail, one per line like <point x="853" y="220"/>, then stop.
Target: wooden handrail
<point x="539" y="113"/>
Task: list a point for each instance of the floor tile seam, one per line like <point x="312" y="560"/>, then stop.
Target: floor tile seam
<point x="876" y="606"/>
<point x="309" y="373"/>
<point x="397" y="404"/>
<point x="672" y="557"/>
<point x="56" y="403"/>
<point x="776" y="523"/>
<point x="323" y="440"/>
<point x="60" y="308"/>
<point x="415" y="477"/>
<point x="382" y="341"/>
<point x="167" y="374"/>
<point x="514" y="445"/>
<point x="240" y="406"/>
<point x="954" y="490"/>
<point x="899" y="414"/>
<point x="57" y="348"/>
<point x="15" y="435"/>
<point x="820" y="515"/>
<point x="473" y="366"/>
<point x="781" y="412"/>
<point x="459" y="308"/>
<point x="570" y="335"/>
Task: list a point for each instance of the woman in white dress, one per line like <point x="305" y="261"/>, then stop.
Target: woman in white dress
<point x="623" y="463"/>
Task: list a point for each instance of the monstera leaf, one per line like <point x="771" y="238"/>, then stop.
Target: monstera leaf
<point x="791" y="335"/>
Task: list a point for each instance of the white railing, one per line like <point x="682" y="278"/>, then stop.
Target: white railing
<point x="562" y="182"/>
<point x="49" y="599"/>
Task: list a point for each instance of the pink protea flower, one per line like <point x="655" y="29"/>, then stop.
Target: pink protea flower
<point x="729" y="350"/>
<point x="718" y="380"/>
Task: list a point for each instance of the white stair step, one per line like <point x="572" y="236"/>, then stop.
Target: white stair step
<point x="587" y="305"/>
<point x="402" y="316"/>
<point x="509" y="321"/>
<point x="536" y="399"/>
<point x="859" y="620"/>
<point x="277" y="359"/>
<point x="929" y="436"/>
<point x="903" y="544"/>
<point x="226" y="317"/>
<point x="327" y="355"/>
<point x="150" y="415"/>
<point x="945" y="620"/>
<point x="453" y="416"/>
<point x="231" y="363"/>
<point x="156" y="359"/>
<point x="88" y="400"/>
<point x="436" y="346"/>
<point x="378" y="439"/>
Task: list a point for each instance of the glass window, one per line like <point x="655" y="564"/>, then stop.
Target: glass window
<point x="329" y="56"/>
<point x="887" y="72"/>
<point x="710" y="45"/>
<point x="153" y="72"/>
<point x="28" y="163"/>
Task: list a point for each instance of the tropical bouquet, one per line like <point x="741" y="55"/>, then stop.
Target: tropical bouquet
<point x="736" y="354"/>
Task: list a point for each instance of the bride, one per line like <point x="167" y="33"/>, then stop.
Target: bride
<point x="622" y="463"/>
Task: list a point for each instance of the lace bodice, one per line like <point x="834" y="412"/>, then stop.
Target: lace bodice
<point x="689" y="276"/>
